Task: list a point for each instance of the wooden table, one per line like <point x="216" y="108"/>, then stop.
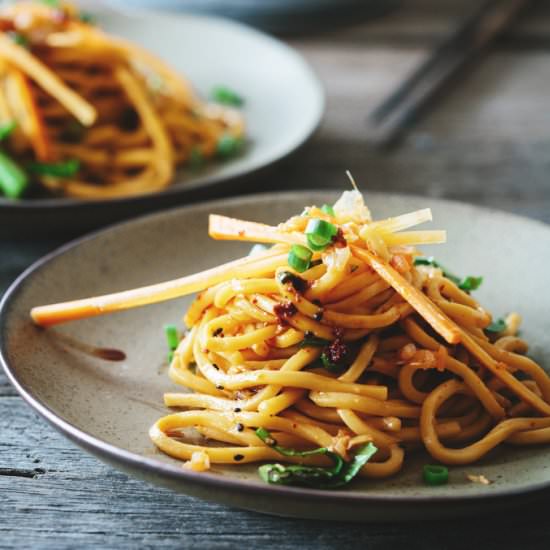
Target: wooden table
<point x="487" y="142"/>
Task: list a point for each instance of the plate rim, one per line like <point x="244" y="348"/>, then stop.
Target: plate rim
<point x="205" y="181"/>
<point x="206" y="480"/>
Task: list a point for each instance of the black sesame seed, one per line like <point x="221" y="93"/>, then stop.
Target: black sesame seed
<point x="237" y="409"/>
<point x="238" y="457"/>
<point x="219" y="387"/>
<point x="240" y="427"/>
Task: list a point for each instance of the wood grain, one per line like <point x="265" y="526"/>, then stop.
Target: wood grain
<point x="487" y="142"/>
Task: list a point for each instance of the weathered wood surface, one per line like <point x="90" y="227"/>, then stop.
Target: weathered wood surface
<point x="488" y="142"/>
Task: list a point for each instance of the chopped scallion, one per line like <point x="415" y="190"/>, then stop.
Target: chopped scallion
<point x="434" y="474"/>
<point x="13" y="180"/>
<point x="299" y="258"/>
<point x="228" y="146"/>
<point x="6" y="129"/>
<point x="172" y="336"/>
<point x="327" y="209"/>
<point x="320" y="232"/>
<point x="65" y="169"/>
<point x="226" y="96"/>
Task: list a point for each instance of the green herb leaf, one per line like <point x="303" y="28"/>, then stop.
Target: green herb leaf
<point x="329" y="365"/>
<point x="266" y="437"/>
<point x="226" y="96"/>
<point x="351" y="469"/>
<point x="65" y="169"/>
<point x="467" y="284"/>
<point x="313" y="341"/>
<point x="6" y="129"/>
<point x="340" y="474"/>
<point x="496" y="326"/>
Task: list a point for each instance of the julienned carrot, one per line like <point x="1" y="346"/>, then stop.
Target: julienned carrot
<point x="35" y="127"/>
<point x="429" y="311"/>
<point x="255" y="266"/>
<point x="223" y="228"/>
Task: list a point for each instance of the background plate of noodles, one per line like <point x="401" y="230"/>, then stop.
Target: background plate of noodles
<point x="240" y="101"/>
<point x="108" y="407"/>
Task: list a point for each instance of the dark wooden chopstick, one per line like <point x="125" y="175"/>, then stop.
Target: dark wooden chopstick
<point x="396" y="113"/>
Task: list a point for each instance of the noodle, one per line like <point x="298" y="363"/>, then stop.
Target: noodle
<point x="348" y="349"/>
<point x="76" y="93"/>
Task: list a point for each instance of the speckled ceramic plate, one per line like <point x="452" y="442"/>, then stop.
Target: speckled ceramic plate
<point x="284" y="103"/>
<point x="107" y="407"/>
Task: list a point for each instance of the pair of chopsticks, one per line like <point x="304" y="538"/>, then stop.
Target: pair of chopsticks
<point x="396" y="113"/>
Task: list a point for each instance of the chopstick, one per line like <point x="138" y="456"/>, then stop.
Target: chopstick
<point x="397" y="112"/>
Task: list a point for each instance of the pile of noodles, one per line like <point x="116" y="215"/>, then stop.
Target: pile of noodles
<point x="75" y="92"/>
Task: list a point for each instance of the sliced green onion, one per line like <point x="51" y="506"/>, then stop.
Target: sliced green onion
<point x="496" y="326"/>
<point x="434" y="474"/>
<point x="327" y="209"/>
<point x="299" y="257"/>
<point x="170" y="356"/>
<point x="172" y="336"/>
<point x="228" y="146"/>
<point x="65" y="169"/>
<point x="470" y="283"/>
<point x="6" y="129"/>
<point x="13" y="181"/>
<point x="319" y="233"/>
<point x="226" y="96"/>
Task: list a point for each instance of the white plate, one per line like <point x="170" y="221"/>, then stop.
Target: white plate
<point x="284" y="104"/>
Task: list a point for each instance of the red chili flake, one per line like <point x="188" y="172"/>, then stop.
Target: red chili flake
<point x="339" y="240"/>
<point x="336" y="351"/>
<point x="284" y="311"/>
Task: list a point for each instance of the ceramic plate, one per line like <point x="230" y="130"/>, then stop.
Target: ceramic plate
<point x="108" y="407"/>
<point x="284" y="103"/>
